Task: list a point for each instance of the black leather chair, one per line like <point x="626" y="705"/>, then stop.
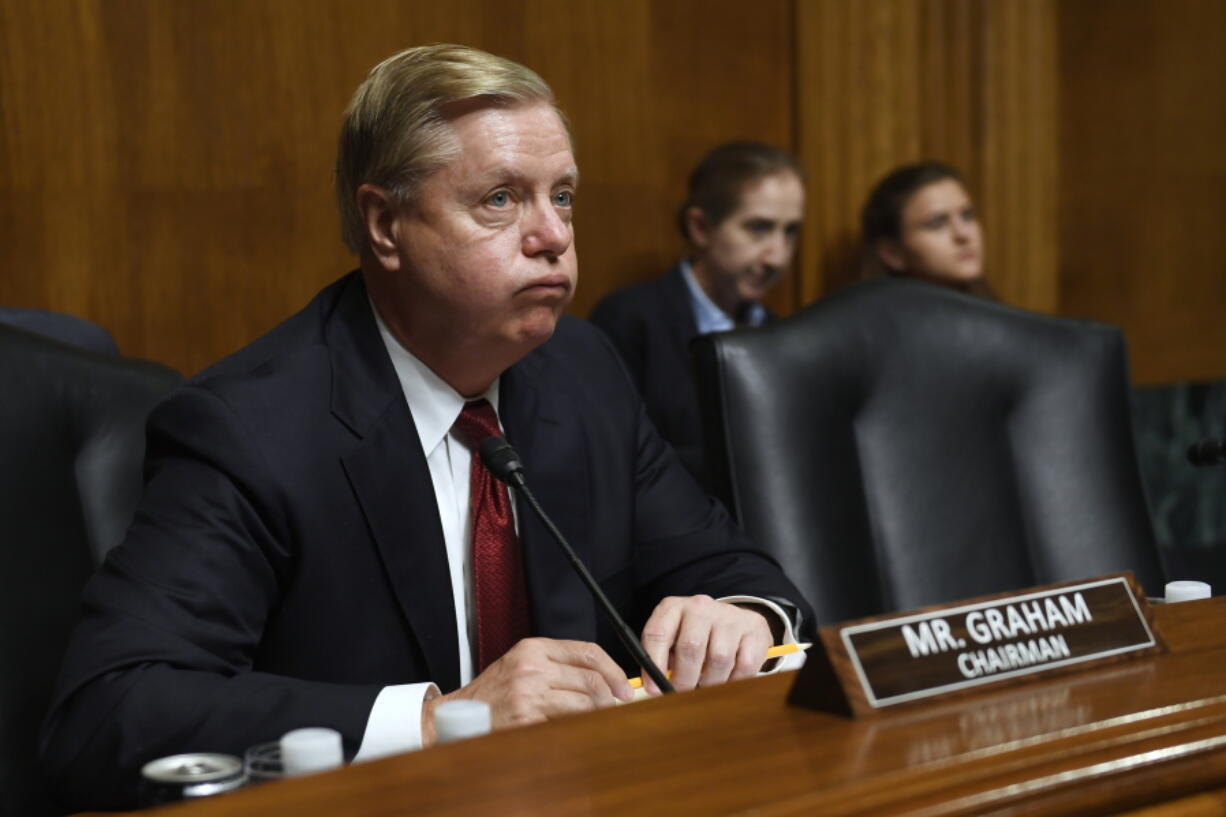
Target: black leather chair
<point x="65" y="328"/>
<point x="71" y="448"/>
<point x="900" y="444"/>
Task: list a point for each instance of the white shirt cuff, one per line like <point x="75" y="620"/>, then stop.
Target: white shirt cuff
<point x="394" y="724"/>
<point x="794" y="660"/>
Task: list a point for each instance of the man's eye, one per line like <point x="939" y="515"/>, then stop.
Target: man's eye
<point x="936" y="223"/>
<point x="500" y="199"/>
<point x="969" y="214"/>
<point x="563" y="198"/>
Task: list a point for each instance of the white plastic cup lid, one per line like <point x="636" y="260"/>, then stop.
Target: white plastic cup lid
<point x="1186" y="591"/>
<point x="314" y="749"/>
<point x="454" y="720"/>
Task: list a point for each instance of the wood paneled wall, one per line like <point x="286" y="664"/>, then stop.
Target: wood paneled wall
<point x="1143" y="188"/>
<point x="165" y="167"/>
<point x="968" y="82"/>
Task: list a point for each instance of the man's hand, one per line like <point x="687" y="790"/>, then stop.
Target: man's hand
<point x="538" y="679"/>
<point x="709" y="642"/>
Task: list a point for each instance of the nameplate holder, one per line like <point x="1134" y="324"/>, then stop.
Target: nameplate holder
<point x="876" y="663"/>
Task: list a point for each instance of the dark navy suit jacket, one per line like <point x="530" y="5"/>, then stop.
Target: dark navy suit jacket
<point x="652" y="324"/>
<point x="287" y="561"/>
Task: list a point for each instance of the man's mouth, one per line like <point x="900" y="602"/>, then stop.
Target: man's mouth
<point x="551" y="283"/>
<point x="761" y="277"/>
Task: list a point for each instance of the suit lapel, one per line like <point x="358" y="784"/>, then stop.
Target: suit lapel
<point x="388" y="472"/>
<point x="543" y="426"/>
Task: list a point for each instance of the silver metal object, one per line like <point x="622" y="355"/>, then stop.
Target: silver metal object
<point x="186" y="776"/>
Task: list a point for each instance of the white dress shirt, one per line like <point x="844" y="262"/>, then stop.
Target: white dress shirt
<point x="395" y="720"/>
<point x="394" y="724"/>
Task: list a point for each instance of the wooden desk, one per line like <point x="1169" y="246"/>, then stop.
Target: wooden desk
<point x="1147" y="737"/>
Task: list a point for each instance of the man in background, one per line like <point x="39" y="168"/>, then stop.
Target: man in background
<point x="741" y="219"/>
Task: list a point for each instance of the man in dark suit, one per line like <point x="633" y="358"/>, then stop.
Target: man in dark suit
<point x="316" y="542"/>
<point x="741" y="219"/>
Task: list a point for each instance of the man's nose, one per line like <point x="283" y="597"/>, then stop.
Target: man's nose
<point x="545" y="231"/>
<point x="778" y="250"/>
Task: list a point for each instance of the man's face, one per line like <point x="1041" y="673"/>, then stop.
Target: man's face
<point x="746" y="253"/>
<point x="486" y="250"/>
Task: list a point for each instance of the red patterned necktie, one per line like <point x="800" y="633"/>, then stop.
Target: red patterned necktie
<point x="498" y="565"/>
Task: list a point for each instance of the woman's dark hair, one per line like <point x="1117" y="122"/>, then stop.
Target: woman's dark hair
<point x="881" y="217"/>
<point x="717" y="182"/>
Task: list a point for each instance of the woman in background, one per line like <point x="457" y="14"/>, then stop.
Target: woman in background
<point x="920" y="222"/>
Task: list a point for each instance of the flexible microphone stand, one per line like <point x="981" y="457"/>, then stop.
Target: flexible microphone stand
<point x="504" y="463"/>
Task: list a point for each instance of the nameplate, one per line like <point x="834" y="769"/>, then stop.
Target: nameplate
<point x="937" y="651"/>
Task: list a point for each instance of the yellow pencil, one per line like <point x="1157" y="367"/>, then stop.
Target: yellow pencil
<point x="773" y="652"/>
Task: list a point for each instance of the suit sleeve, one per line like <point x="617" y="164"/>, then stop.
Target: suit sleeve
<point x="162" y="657"/>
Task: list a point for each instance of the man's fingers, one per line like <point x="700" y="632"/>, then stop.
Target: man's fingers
<point x="723" y="651"/>
<point x="570" y="681"/>
<point x="603" y="675"/>
<point x="585" y="666"/>
<point x="540" y="678"/>
<point x="568" y="702"/>
<point x="658" y="636"/>
<point x="690" y="648"/>
<point x="751" y="654"/>
<point x="709" y="642"/>
<point x="566" y="690"/>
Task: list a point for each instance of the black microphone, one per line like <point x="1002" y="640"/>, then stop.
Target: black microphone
<point x="502" y="461"/>
<point x="1207" y="452"/>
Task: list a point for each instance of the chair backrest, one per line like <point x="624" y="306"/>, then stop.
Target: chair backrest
<point x="71" y="451"/>
<point x="900" y="444"/>
<point x="62" y="327"/>
<point x="1185" y="501"/>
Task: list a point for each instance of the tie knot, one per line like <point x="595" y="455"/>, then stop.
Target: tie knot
<point x="476" y="422"/>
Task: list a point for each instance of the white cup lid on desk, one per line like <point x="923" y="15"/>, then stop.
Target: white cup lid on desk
<point x="463" y="718"/>
<point x="314" y="749"/>
<point x="1186" y="591"/>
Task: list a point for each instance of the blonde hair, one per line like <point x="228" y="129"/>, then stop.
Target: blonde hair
<point x="396" y="131"/>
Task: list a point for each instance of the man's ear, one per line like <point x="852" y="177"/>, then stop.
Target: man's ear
<point x="379" y="218"/>
<point x="891" y="255"/>
<point x="696" y="227"/>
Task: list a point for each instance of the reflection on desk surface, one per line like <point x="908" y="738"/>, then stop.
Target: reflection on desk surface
<point x="1001" y="719"/>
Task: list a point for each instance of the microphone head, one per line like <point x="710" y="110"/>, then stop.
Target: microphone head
<point x="502" y="460"/>
<point x="1207" y="452"/>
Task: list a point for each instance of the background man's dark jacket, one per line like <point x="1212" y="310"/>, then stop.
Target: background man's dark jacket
<point x="652" y="324"/>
